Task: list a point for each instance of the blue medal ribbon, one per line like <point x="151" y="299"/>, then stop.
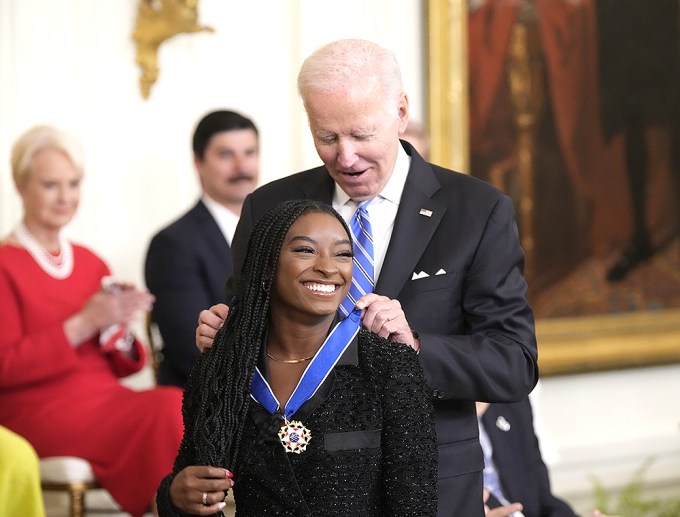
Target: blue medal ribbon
<point x="316" y="372"/>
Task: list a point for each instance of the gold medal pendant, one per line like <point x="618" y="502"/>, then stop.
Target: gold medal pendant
<point x="294" y="436"/>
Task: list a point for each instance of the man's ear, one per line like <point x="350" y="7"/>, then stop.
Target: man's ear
<point x="403" y="113"/>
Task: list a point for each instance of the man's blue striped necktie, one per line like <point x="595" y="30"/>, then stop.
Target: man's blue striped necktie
<point x="363" y="271"/>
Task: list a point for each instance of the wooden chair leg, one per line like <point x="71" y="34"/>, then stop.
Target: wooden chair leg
<point x="77" y="500"/>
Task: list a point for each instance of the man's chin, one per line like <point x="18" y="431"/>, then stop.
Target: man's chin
<point x="353" y="185"/>
<point x="358" y="193"/>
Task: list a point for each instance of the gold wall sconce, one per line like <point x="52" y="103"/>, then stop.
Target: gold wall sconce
<point x="158" y="21"/>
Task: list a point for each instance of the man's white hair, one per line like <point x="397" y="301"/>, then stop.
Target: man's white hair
<point x="351" y="63"/>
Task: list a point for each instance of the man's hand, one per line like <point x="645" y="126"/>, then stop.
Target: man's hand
<point x="500" y="511"/>
<point x="598" y="513"/>
<point x="384" y="316"/>
<point x="209" y="322"/>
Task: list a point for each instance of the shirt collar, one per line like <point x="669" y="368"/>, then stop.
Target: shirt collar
<point x="225" y="218"/>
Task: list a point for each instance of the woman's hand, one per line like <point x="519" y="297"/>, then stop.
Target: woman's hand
<point x="200" y="490"/>
<point x="120" y="304"/>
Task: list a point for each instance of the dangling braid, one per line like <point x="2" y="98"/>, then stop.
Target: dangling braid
<point x="217" y="396"/>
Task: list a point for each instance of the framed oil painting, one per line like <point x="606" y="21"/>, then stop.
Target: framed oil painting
<point x="572" y="107"/>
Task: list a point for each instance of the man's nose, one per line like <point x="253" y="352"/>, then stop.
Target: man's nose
<point x="347" y="156"/>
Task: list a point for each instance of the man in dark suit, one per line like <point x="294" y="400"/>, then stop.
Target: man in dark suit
<point x="512" y="451"/>
<point x="448" y="262"/>
<point x="517" y="460"/>
<point x="189" y="261"/>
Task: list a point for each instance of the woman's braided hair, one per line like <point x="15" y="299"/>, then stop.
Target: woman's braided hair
<point x="219" y="386"/>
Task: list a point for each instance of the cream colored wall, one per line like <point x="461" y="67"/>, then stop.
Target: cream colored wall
<point x="71" y="63"/>
<point x="606" y="425"/>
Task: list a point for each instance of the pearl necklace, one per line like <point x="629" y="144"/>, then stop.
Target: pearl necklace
<point x="58" y="267"/>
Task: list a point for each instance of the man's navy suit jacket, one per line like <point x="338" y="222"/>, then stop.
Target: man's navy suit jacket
<point x="518" y="461"/>
<point x="186" y="267"/>
<point x="475" y="325"/>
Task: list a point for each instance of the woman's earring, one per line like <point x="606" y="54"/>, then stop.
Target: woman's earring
<point x="264" y="286"/>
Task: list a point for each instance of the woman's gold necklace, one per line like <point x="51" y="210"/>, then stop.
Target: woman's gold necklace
<point x="289" y="361"/>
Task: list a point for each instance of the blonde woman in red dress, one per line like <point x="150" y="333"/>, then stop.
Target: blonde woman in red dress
<point x="64" y="342"/>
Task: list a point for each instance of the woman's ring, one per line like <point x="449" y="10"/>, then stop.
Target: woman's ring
<point x="204" y="499"/>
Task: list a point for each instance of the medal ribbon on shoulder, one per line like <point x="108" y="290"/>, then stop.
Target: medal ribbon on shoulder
<point x="293" y="435"/>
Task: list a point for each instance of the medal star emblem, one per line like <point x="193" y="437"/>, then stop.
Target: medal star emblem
<point x="294" y="437"/>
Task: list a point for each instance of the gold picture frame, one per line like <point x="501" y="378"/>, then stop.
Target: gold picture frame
<point x="566" y="345"/>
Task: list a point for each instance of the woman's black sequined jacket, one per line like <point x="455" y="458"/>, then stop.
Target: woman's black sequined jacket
<point x="373" y="450"/>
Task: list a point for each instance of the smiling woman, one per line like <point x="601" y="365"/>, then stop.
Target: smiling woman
<point x="306" y="413"/>
<point x="56" y="314"/>
<point x="313" y="276"/>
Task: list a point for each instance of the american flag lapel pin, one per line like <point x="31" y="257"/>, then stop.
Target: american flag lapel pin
<point x="426" y="212"/>
<point x="503" y="424"/>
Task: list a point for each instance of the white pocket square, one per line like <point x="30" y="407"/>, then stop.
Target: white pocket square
<point x="417" y="276"/>
<point x="440" y="272"/>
